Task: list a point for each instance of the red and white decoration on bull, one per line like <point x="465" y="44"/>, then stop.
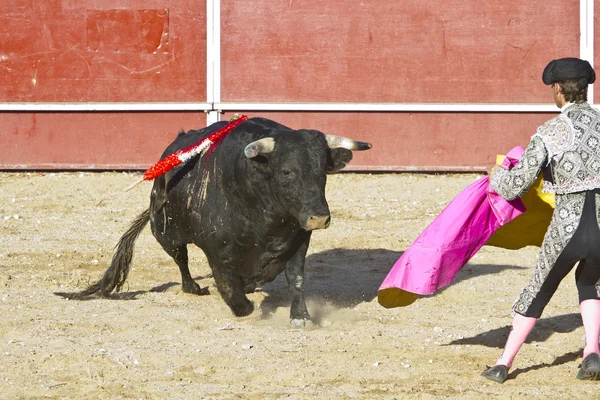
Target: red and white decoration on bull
<point x="184" y="155"/>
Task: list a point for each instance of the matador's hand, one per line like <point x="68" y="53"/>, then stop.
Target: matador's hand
<point x="493" y="170"/>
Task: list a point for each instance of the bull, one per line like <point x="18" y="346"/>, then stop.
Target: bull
<point x="250" y="205"/>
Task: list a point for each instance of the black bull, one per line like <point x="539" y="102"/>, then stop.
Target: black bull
<point x="250" y="206"/>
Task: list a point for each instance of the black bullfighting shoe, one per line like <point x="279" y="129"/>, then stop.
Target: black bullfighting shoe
<point x="590" y="368"/>
<point x="497" y="373"/>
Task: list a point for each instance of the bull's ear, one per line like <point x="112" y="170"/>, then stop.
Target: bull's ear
<point x="337" y="158"/>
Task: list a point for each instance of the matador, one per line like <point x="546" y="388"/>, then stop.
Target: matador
<point x="566" y="150"/>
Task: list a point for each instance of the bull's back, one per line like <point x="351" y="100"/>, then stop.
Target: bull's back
<point x="191" y="137"/>
<point x="173" y="193"/>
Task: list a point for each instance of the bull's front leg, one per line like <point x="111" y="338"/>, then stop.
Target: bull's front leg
<point x="231" y="287"/>
<point x="294" y="273"/>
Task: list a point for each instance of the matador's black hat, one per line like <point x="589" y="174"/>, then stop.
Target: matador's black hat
<point x="569" y="68"/>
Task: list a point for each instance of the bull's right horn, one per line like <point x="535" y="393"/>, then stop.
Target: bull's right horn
<point x="334" y="141"/>
<point x="261" y="146"/>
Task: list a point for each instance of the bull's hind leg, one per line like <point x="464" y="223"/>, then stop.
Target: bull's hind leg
<point x="188" y="285"/>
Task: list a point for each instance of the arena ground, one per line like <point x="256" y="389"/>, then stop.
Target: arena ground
<point x="57" y="231"/>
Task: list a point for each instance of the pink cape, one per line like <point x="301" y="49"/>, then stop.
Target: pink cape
<point x="450" y="241"/>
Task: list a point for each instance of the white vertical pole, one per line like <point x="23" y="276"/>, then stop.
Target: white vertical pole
<point x="586" y="41"/>
<point x="213" y="58"/>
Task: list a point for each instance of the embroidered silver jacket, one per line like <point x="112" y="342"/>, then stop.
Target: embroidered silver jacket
<point x="569" y="145"/>
<point x="567" y="148"/>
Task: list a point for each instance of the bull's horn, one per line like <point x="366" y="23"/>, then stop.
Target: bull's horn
<point x="261" y="146"/>
<point x="346" y="143"/>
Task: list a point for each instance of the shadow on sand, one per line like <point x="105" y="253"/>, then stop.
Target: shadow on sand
<point x="348" y="277"/>
<point x="544" y="328"/>
<point x="343" y="278"/>
<point x="125" y="295"/>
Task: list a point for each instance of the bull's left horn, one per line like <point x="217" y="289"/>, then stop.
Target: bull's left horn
<point x="334" y="141"/>
<point x="261" y="146"/>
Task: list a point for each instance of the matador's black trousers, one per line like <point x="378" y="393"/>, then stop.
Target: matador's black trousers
<point x="584" y="247"/>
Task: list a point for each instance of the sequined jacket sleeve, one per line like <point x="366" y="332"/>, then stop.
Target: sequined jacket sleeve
<point x="515" y="183"/>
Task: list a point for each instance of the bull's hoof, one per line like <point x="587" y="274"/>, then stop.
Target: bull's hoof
<point x="203" y="291"/>
<point x="301" y="323"/>
<point x="250" y="288"/>
<point x="243" y="309"/>
<point x="194" y="288"/>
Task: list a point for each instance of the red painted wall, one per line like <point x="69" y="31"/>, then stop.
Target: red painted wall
<point x="405" y="51"/>
<point x="409" y="51"/>
<point x="89" y="140"/>
<point x="102" y="50"/>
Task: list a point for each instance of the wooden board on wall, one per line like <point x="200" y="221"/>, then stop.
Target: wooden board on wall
<point x="102" y="51"/>
<point x="409" y="51"/>
<point x="401" y="141"/>
<point x="90" y="140"/>
<point x="421" y="141"/>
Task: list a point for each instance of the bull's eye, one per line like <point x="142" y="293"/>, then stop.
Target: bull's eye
<point x="286" y="172"/>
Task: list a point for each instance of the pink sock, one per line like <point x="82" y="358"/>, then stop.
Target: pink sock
<point x="590" y="314"/>
<point x="521" y="327"/>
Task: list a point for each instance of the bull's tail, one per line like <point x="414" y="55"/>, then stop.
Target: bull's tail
<point x="115" y="276"/>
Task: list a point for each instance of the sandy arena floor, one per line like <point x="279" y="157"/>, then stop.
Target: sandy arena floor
<point x="57" y="231"/>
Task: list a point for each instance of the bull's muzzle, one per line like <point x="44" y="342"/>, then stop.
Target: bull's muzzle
<point x="317" y="222"/>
